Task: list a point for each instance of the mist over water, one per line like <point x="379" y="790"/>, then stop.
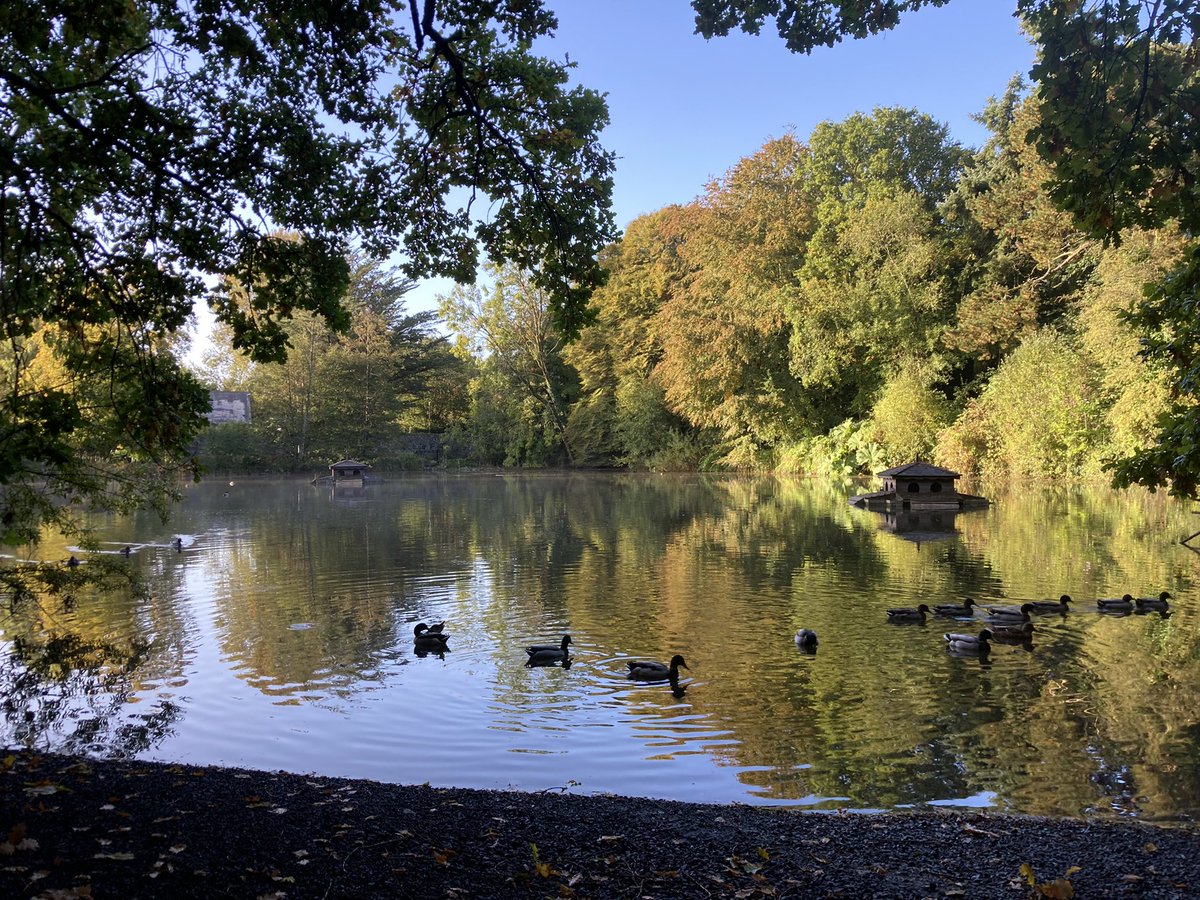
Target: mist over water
<point x="281" y="637"/>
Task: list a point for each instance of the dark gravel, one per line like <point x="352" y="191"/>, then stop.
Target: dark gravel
<point x="84" y="828"/>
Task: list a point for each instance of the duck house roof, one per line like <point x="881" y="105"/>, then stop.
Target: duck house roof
<point x="918" y="470"/>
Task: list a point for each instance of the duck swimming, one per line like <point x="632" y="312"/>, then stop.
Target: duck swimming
<point x="1051" y="606"/>
<point x="977" y="644"/>
<point x="1110" y="605"/>
<point x="548" y="654"/>
<point x="422" y="635"/>
<point x="908" y="614"/>
<point x="1158" y="603"/>
<point x="1012" y="634"/>
<point x="1013" y="612"/>
<point x="649" y="670"/>
<point x="951" y="609"/>
<point x="806" y="640"/>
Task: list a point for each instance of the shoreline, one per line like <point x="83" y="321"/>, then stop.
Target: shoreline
<point x="79" y="827"/>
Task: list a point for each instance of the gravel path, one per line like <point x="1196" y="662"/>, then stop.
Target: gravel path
<point x="85" y="828"/>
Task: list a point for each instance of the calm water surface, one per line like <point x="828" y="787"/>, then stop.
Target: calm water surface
<point x="281" y="638"/>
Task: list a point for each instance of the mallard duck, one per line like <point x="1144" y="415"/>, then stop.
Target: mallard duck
<point x="1012" y="634"/>
<point x="1159" y="602"/>
<point x="954" y="610"/>
<point x="908" y="614"/>
<point x="1051" y="606"/>
<point x="1013" y="612"/>
<point x="806" y="640"/>
<point x="649" y="670"/>
<point x="1123" y="605"/>
<point x="437" y="627"/>
<point x="422" y="635"/>
<point x="1019" y="618"/>
<point x="548" y="654"/>
<point x="969" y="643"/>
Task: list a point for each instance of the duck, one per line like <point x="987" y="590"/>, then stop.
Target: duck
<point x="177" y="544"/>
<point x="1004" y="619"/>
<point x="951" y="609"/>
<point x="73" y="561"/>
<point x="806" y="640"/>
<point x="1051" y="606"/>
<point x="125" y="551"/>
<point x="1159" y="602"/>
<point x="548" y="654"/>
<point x="908" y="614"/>
<point x="649" y="670"/>
<point x="969" y="643"/>
<point x="437" y="627"/>
<point x="1013" y="634"/>
<point x="1013" y="612"/>
<point x="1122" y="605"/>
<point x="423" y="636"/>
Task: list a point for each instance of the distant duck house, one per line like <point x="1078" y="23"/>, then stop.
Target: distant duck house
<point x="918" y="485"/>
<point x="349" y="473"/>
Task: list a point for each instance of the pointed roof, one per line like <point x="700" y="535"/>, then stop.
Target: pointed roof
<point x="349" y="464"/>
<point x="918" y="469"/>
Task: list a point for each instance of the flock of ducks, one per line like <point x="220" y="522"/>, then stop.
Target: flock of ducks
<point x="433" y="639"/>
<point x="1004" y="624"/>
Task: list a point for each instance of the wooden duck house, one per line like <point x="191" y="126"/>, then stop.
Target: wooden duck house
<point x="918" y="485"/>
<point x="349" y="472"/>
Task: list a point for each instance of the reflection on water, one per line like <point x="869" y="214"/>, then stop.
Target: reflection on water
<point x="281" y="633"/>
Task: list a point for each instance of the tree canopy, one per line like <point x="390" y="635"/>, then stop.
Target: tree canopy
<point x="152" y="150"/>
<point x="1119" y="94"/>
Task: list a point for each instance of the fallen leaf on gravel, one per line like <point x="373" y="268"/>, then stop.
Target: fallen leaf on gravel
<point x="1132" y="879"/>
<point x="113" y="856"/>
<point x="1058" y="889"/>
<point x="442" y="857"/>
<point x="1151" y="848"/>
<point x="609" y="838"/>
<point x="43" y="787"/>
<point x="542" y="868"/>
<point x="763" y="854"/>
<point x="954" y="892"/>
<point x="83" y="890"/>
<point x="178" y="848"/>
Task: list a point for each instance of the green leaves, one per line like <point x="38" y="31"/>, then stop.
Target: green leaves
<point x="155" y="152"/>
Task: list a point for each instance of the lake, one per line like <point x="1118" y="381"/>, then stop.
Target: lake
<point x="280" y="636"/>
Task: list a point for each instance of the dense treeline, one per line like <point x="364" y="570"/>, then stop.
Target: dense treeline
<point x="339" y="393"/>
<point x="871" y="294"/>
